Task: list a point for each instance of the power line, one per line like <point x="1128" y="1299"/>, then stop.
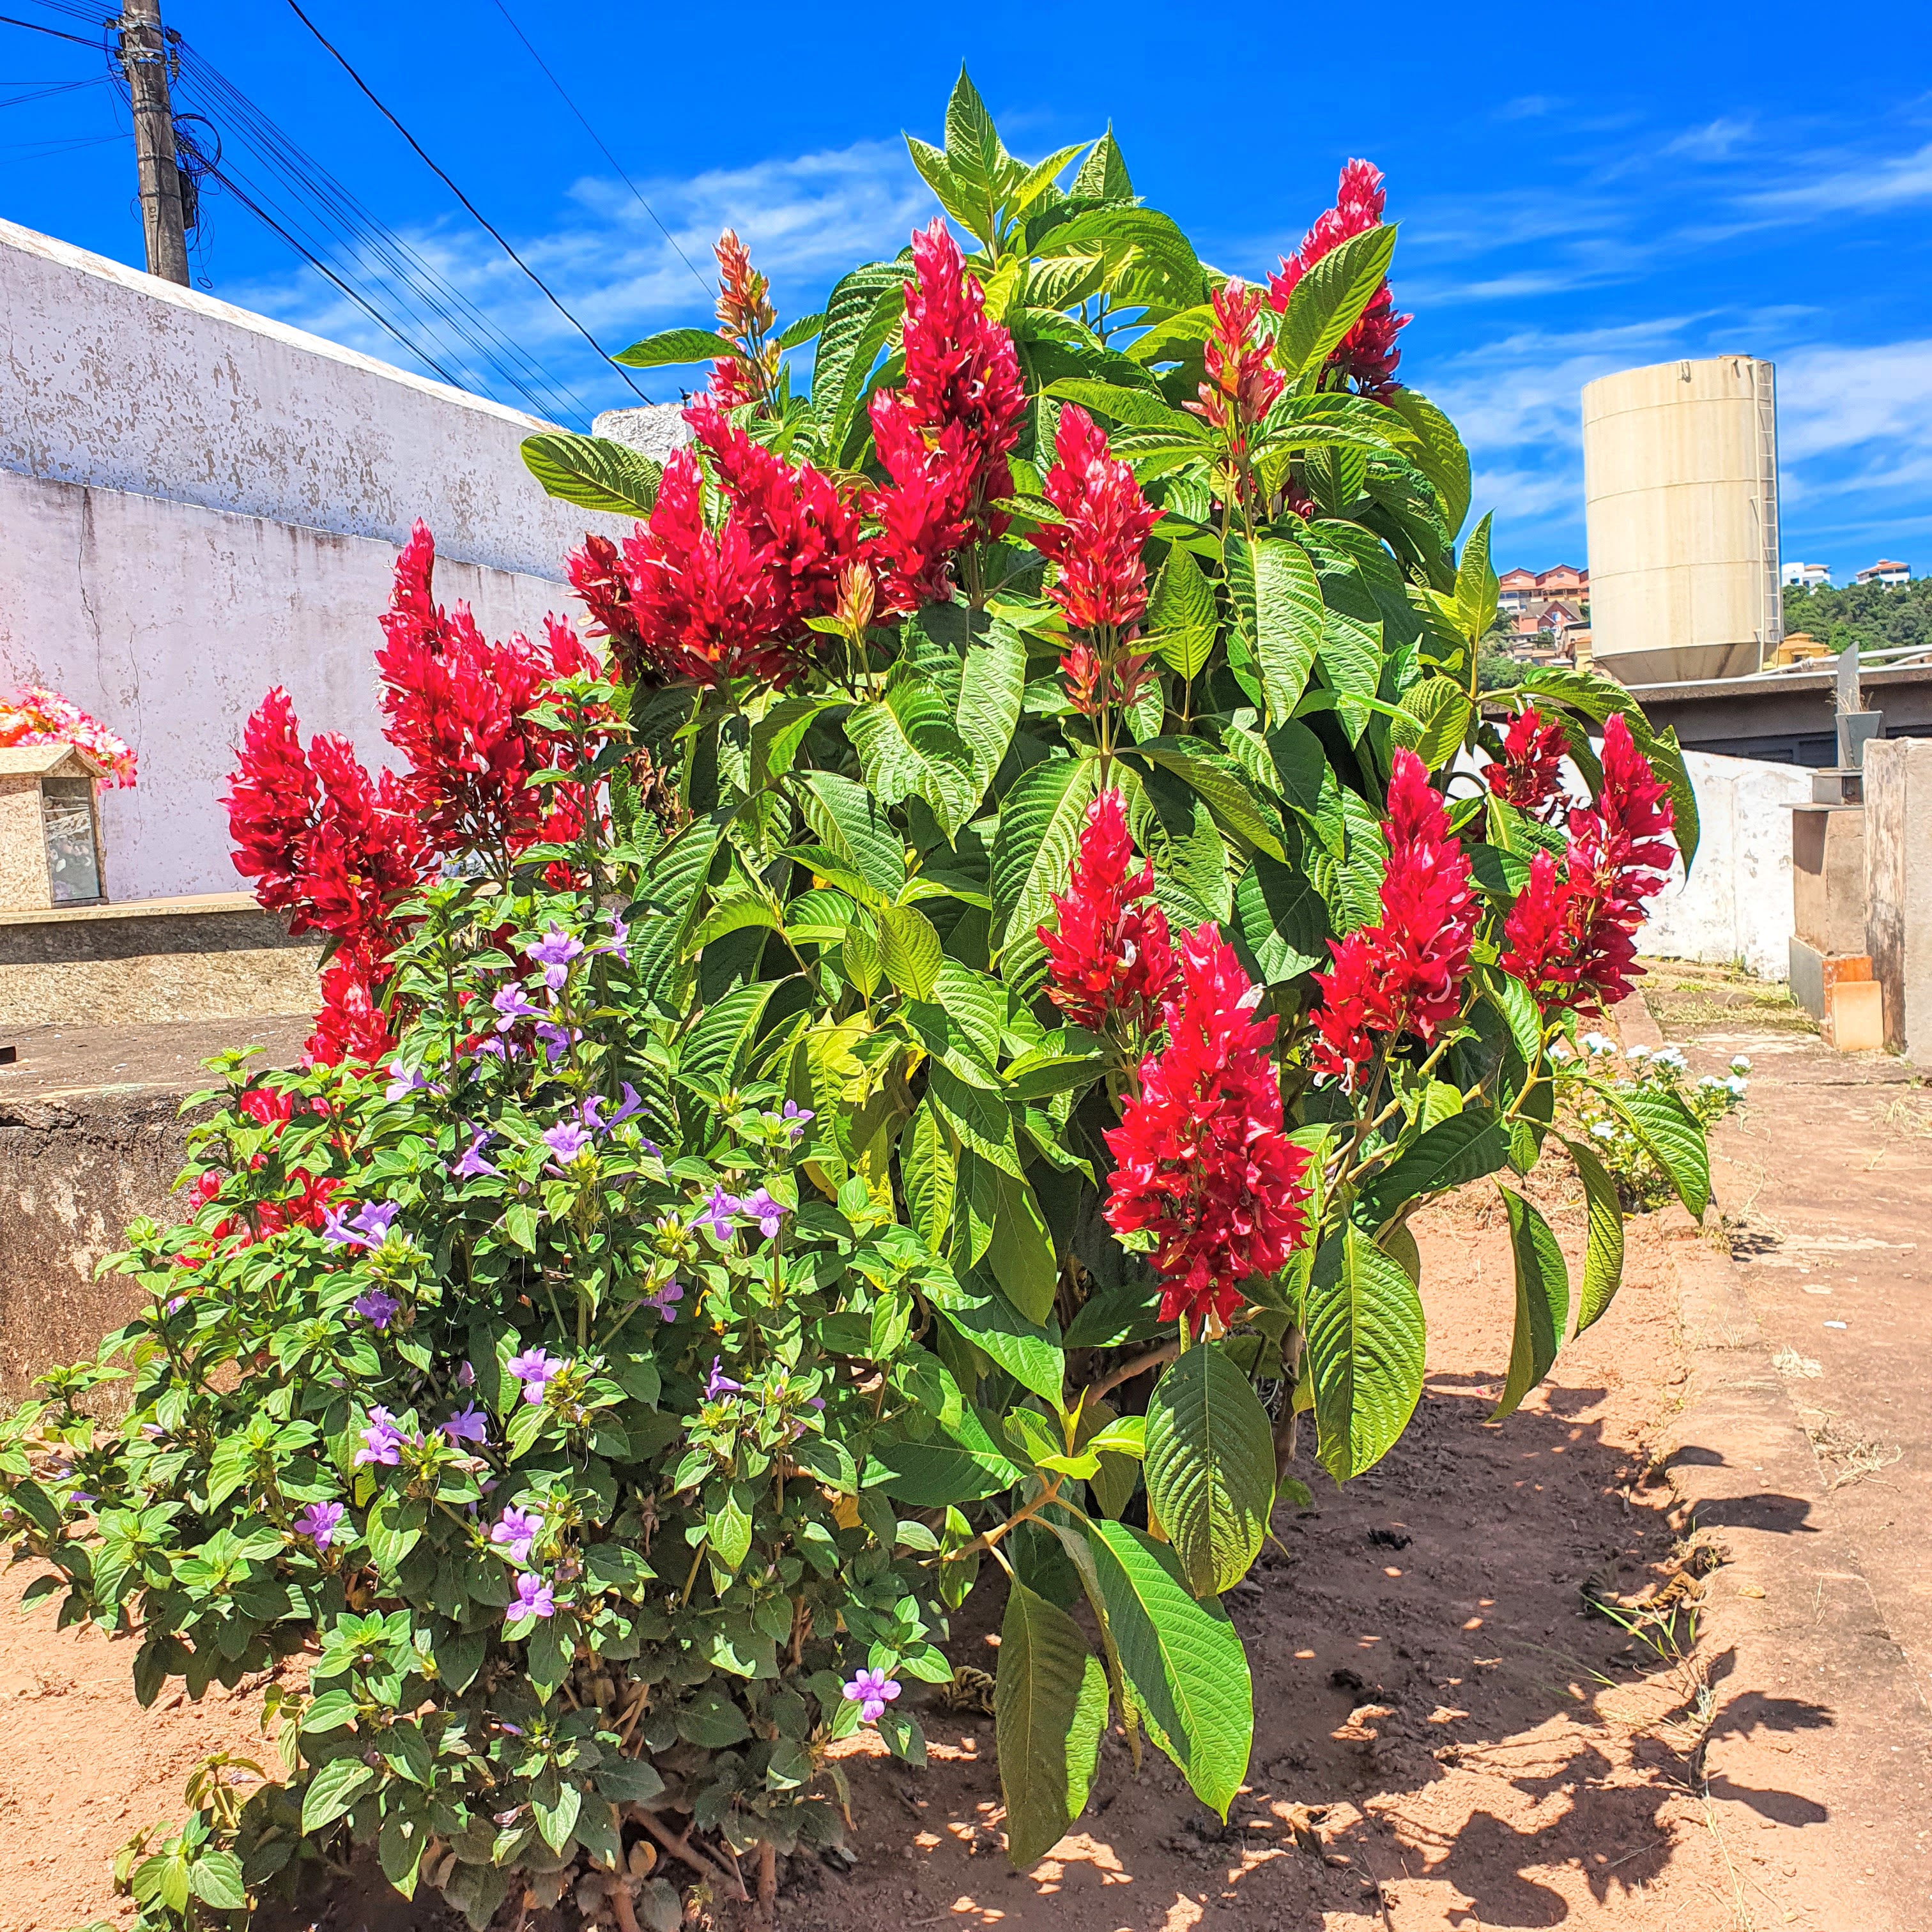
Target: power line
<point x="601" y="149"/>
<point x="35" y="27"/>
<point x="477" y="213"/>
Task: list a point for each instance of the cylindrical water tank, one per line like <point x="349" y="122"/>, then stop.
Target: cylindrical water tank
<point x="1680" y="485"/>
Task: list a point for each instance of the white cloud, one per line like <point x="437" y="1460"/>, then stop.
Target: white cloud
<point x="1848" y="186"/>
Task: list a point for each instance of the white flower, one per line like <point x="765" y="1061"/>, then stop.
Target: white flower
<point x="1638" y="1053"/>
<point x="1597" y="1043"/>
<point x="1669" y="1057"/>
<point x="1741" y="1064"/>
<point x="1735" y="1085"/>
<point x="1559" y="1052"/>
<point x="1602" y="1130"/>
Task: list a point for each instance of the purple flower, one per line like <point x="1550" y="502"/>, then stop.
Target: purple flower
<point x="769" y="1214"/>
<point x="369" y="1229"/>
<point x="472" y="1164"/>
<point x="378" y="1307"/>
<point x="799" y="1117"/>
<point x="630" y="1106"/>
<point x="719" y="1212"/>
<point x="588" y="1115"/>
<point x="534" y="1599"/>
<point x="318" y="1523"/>
<point x="405" y="1081"/>
<point x="556" y="1039"/>
<point x="516" y="1530"/>
<point x="566" y="1140"/>
<point x="871" y="1690"/>
<point x="382" y="1440"/>
<point x="533" y="1368"/>
<point x="467" y="1425"/>
<point x="511" y="1007"/>
<point x="666" y="1299"/>
<point x="720" y="1385"/>
<point x="553" y="952"/>
<point x="336" y="1230"/>
<point x="465" y="1377"/>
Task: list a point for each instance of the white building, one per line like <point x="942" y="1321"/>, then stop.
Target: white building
<point x="1808" y="576"/>
<point x="1884" y="571"/>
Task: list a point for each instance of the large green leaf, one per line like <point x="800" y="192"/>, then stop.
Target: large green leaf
<point x="992" y="685"/>
<point x="861" y="314"/>
<point x="930" y="1474"/>
<point x="1329" y="299"/>
<point x="1182" y="1658"/>
<point x="850" y="822"/>
<point x="1181" y="614"/>
<point x="1462" y="1148"/>
<point x="333" y="1790"/>
<point x="908" y="747"/>
<point x="712" y="1055"/>
<point x="1103" y="174"/>
<point x="593" y="473"/>
<point x="672" y="348"/>
<point x="1210" y="1468"/>
<point x="1366" y="1346"/>
<point x="1476" y="588"/>
<point x="1437" y="453"/>
<point x="1040" y="821"/>
<point x="1223" y="786"/>
<point x="1029" y="1352"/>
<point x="1604" y="1254"/>
<point x="1542" y="1301"/>
<point x="910" y="950"/>
<point x="1282" y="920"/>
<point x="930" y="1171"/>
<point x="1049" y="1708"/>
<point x="1670" y="1136"/>
<point x="666" y="910"/>
<point x="1021" y="1253"/>
<point x="1288" y="623"/>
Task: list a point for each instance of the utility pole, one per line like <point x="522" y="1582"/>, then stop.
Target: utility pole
<point x="144" y="55"/>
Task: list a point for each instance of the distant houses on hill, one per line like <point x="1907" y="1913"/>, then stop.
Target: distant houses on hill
<point x="1548" y="612"/>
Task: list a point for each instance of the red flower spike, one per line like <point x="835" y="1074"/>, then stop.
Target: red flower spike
<point x="1539" y="946"/>
<point x="1114" y="678"/>
<point x="1242" y="385"/>
<point x="1101" y="580"/>
<point x="596" y="573"/>
<point x="1405" y="973"/>
<point x="272" y="798"/>
<point x="349" y="1025"/>
<point x="1110" y="955"/>
<point x="1528" y="775"/>
<point x="1202" y="1162"/>
<point x="1367" y="355"/>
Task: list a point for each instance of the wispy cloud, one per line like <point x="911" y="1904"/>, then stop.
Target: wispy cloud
<point x="1863" y="186"/>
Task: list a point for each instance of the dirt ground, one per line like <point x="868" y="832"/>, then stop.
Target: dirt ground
<point x="1445" y="1736"/>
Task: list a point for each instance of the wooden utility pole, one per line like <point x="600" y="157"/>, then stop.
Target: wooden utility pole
<point x="144" y="54"/>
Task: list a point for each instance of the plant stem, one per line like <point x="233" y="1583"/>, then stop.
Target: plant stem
<point x="1126" y="1372"/>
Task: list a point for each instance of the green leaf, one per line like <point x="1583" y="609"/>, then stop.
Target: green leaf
<point x="930" y="1171"/>
<point x="394" y="1527"/>
<point x="1670" y="1136"/>
<point x="1181" y="614"/>
<point x="1462" y="1148"/>
<point x="673" y="348"/>
<point x="729" y="1525"/>
<point x="216" y="1878"/>
<point x="556" y="1821"/>
<point x="1222" y="785"/>
<point x="1288" y="616"/>
<point x="1028" y="1352"/>
<point x="1103" y="174"/>
<point x="851" y="824"/>
<point x="593" y="473"/>
<point x="333" y="1790"/>
<point x="1021" y="1255"/>
<point x="1049" y="1707"/>
<point x="1542" y="1301"/>
<point x="992" y="685"/>
<point x="1365" y="1346"/>
<point x="1040" y="820"/>
<point x="1476" y="590"/>
<point x="1438" y="721"/>
<point x="1182" y="1660"/>
<point x="931" y="1474"/>
<point x="910" y="950"/>
<point x="908" y="747"/>
<point x="1210" y="1468"/>
<point x="712" y="1055"/>
<point x="1282" y="920"/>
<point x="980" y="1120"/>
<point x="1604" y="1255"/>
<point x="1329" y="299"/>
<point x="627" y="1781"/>
<point x="864" y="309"/>
<point x="1437" y="453"/>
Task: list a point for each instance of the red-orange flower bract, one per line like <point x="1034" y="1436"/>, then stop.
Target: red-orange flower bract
<point x="1102" y="579"/>
<point x="1242" y="385"/>
<point x="1367" y="355"/>
<point x="1405" y="974"/>
<point x="1109" y="954"/>
<point x="943" y="439"/>
<point x="1202" y="1162"/>
<point x="1528" y="775"/>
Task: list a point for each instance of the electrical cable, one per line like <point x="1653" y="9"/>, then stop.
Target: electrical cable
<point x="35" y="27"/>
<point x="601" y="149"/>
<point x="342" y="61"/>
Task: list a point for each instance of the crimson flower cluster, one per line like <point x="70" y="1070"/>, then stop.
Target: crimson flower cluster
<point x="1571" y="936"/>
<point x="944" y="438"/>
<point x="1109" y="959"/>
<point x="1202" y="1162"/>
<point x="1528" y="774"/>
<point x="305" y="1208"/>
<point x="1367" y="355"/>
<point x="1405" y="973"/>
<point x="1242" y="383"/>
<point x="1101" y="581"/>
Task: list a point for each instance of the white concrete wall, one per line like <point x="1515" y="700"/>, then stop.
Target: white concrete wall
<point x="196" y="503"/>
<point x="1737" y="904"/>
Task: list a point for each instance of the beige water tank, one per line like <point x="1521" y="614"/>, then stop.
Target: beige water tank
<point x="1680" y="485"/>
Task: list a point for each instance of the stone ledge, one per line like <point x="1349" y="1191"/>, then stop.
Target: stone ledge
<point x="192" y="905"/>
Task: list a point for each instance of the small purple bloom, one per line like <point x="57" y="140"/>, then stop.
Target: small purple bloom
<point x="666" y="1299"/>
<point x="511" y="1007"/>
<point x="472" y="1164"/>
<point x="871" y="1690"/>
<point x="630" y="1106"/>
<point x="534" y="1599"/>
<point x="336" y="1230"/>
<point x="378" y="1307"/>
<point x="618" y="944"/>
<point x="533" y="1369"/>
<point x="553" y="952"/>
<point x="465" y="1377"/>
<point x="516" y="1530"/>
<point x="720" y="1385"/>
<point x="318" y="1523"/>
<point x="720" y="1212"/>
<point x="588" y="1113"/>
<point x="769" y="1214"/>
<point x="371" y="1226"/>
<point x="566" y="1140"/>
<point x="404" y="1081"/>
<point x="467" y="1425"/>
<point x="799" y="1117"/>
<point x="556" y="1039"/>
<point x="382" y="1440"/>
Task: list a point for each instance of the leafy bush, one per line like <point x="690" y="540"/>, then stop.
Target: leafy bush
<point x="882" y="1059"/>
<point x="1641" y="1183"/>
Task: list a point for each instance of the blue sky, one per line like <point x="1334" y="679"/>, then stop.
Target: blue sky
<point x="1581" y="189"/>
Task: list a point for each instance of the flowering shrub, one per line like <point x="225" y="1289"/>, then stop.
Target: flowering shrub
<point x="39" y="716"/>
<point x="1642" y="1184"/>
<point x="862" y="1077"/>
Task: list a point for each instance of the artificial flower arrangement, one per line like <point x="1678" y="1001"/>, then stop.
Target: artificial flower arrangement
<point x="39" y="716"/>
<point x="911" y="1054"/>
